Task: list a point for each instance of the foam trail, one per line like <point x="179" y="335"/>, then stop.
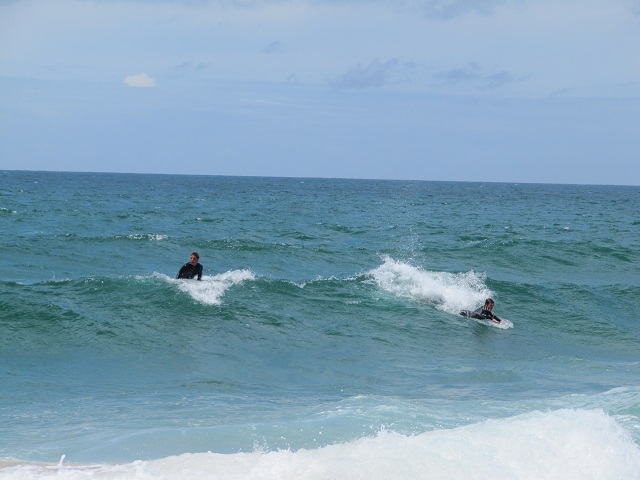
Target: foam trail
<point x="448" y="291"/>
<point x="564" y="444"/>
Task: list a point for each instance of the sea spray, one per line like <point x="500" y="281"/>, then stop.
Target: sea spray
<point x="450" y="292"/>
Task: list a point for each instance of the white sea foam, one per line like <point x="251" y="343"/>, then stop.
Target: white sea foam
<point x="450" y="292"/>
<point x="210" y="289"/>
<point x="562" y="444"/>
<point x="145" y="236"/>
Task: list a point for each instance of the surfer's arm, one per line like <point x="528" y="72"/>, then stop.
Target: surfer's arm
<point x="182" y="269"/>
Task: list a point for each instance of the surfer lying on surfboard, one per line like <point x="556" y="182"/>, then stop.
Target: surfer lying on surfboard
<point x="483" y="313"/>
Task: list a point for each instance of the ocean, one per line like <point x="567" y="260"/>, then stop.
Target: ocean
<point x="324" y="340"/>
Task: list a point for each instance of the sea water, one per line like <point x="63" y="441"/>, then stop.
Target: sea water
<point x="324" y="340"/>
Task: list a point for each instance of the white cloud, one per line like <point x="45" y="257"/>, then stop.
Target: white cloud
<point x="273" y="47"/>
<point x="474" y="74"/>
<point x="376" y="74"/>
<point x="140" y="80"/>
<point x="449" y="9"/>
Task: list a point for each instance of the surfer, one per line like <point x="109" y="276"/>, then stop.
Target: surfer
<point x="483" y="313"/>
<point x="192" y="268"/>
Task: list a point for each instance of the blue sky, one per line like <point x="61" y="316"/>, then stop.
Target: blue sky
<point x="490" y="90"/>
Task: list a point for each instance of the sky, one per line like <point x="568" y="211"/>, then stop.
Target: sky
<point x="535" y="91"/>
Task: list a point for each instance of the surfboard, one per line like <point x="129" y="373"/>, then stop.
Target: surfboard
<point x="502" y="324"/>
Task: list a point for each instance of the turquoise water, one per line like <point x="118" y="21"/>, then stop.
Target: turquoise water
<point x="324" y="340"/>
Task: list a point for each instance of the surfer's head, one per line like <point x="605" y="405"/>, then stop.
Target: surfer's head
<point x="489" y="303"/>
<point x="194" y="258"/>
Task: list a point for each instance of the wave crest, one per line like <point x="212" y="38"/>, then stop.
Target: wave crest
<point x="450" y="292"/>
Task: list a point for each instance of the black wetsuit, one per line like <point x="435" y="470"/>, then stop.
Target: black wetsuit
<point x="190" y="271"/>
<point x="481" y="314"/>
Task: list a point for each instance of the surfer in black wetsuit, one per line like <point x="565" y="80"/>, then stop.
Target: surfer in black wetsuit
<point x="483" y="313"/>
<point x="192" y="268"/>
